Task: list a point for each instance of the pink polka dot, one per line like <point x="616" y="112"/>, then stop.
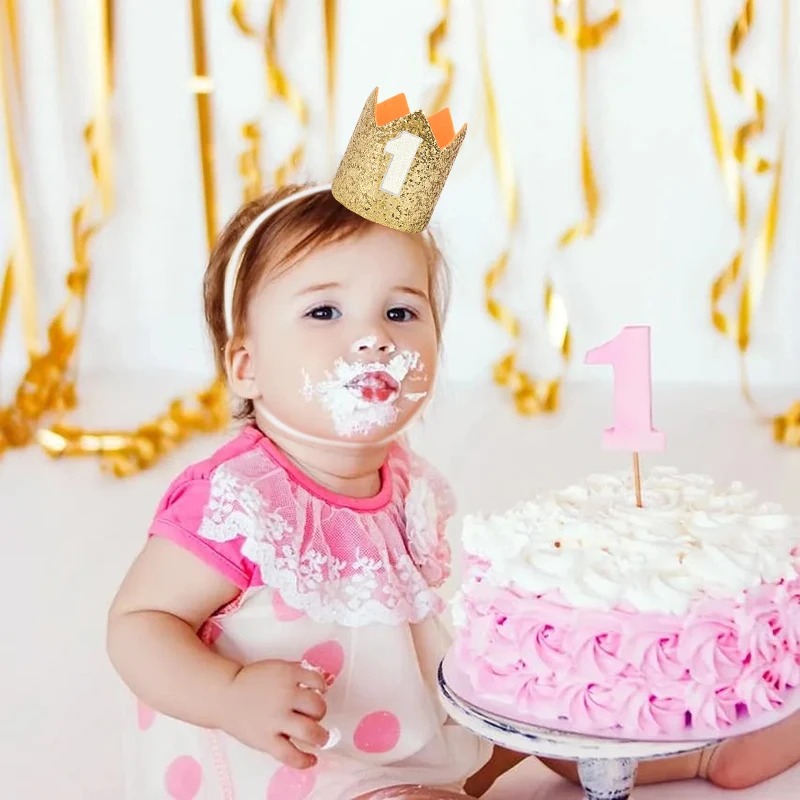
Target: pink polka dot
<point x="145" y="716"/>
<point x="291" y="783"/>
<point x="183" y="778"/>
<point x="328" y="656"/>
<point x="284" y="613"/>
<point x="377" y="732"/>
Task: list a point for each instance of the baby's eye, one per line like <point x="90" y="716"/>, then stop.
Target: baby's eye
<point x="324" y="313"/>
<point x="400" y="314"/>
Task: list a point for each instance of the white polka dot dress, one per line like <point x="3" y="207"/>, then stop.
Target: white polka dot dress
<point x="346" y="585"/>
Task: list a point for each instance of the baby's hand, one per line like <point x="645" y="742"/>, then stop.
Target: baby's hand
<point x="269" y="702"/>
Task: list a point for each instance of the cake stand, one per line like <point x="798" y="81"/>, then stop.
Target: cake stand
<point x="606" y="766"/>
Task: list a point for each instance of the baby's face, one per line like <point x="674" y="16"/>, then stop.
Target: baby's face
<point x="343" y="344"/>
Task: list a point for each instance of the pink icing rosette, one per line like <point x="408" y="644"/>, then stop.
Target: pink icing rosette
<point x="651" y="710"/>
<point x="652" y="650"/>
<point x="709" y="646"/>
<point x="711" y="708"/>
<point x="596" y="656"/>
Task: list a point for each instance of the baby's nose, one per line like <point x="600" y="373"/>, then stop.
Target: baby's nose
<point x="373" y="343"/>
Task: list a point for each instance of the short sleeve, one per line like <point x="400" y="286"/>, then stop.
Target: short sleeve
<point x="429" y="507"/>
<point x="180" y="517"/>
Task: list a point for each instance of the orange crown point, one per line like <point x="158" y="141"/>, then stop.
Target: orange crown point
<point x="442" y="126"/>
<point x="391" y="109"/>
<point x="397" y="107"/>
<point x="397" y="163"/>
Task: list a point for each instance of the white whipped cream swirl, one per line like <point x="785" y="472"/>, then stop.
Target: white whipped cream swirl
<point x="592" y="544"/>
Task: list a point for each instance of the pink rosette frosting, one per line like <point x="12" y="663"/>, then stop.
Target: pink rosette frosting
<point x="653" y="652"/>
<point x="709" y="646"/>
<point x="631" y="672"/>
<point x="655" y="713"/>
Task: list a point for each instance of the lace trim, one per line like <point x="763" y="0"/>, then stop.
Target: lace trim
<point x="406" y="597"/>
<point x="427" y="540"/>
<point x="355" y="592"/>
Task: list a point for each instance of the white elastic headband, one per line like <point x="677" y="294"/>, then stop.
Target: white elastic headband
<point x="235" y="261"/>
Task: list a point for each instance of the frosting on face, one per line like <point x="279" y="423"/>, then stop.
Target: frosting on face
<point x="600" y="551"/>
<point x="363" y="396"/>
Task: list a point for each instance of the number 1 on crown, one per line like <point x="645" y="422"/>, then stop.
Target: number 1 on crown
<point x="403" y="148"/>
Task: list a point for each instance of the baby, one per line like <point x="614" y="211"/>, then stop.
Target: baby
<point x="280" y="627"/>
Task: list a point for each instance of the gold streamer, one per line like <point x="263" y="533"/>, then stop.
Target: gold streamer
<point x="250" y="157"/>
<point x="48" y="384"/>
<point x="525" y="390"/>
<point x="505" y="371"/>
<point x="732" y="157"/>
<point x="748" y="92"/>
<point x="532" y="395"/>
<point x="250" y="162"/>
<point x="278" y="85"/>
<point x="13" y="29"/>
<point x="98" y="131"/>
<point x="6" y="295"/>
<point x="786" y="427"/>
<point x="202" y="87"/>
<point x="19" y="273"/>
<point x="331" y="72"/>
<point x="125" y="453"/>
<point x="438" y="60"/>
<point x="584" y="36"/>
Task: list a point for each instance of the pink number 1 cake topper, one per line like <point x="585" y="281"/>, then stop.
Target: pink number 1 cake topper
<point x="628" y="353"/>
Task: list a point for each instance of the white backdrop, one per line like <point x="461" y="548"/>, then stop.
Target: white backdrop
<point x="665" y="225"/>
<point x="665" y="229"/>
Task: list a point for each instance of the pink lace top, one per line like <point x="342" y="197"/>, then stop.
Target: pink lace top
<point x="249" y="513"/>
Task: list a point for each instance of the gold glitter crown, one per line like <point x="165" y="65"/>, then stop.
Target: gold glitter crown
<point x="396" y="163"/>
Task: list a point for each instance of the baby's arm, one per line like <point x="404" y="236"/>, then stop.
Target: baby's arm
<point x="152" y="642"/>
<point x="152" y="633"/>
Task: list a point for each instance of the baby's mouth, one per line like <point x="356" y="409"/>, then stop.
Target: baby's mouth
<point x="375" y="387"/>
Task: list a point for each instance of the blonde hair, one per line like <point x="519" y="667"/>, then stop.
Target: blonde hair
<point x="313" y="221"/>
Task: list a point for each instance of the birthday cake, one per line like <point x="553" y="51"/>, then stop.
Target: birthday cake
<point x="581" y="610"/>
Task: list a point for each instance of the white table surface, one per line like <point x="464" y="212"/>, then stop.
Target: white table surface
<point x="70" y="531"/>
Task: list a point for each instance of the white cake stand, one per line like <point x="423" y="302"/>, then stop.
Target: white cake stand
<point x="606" y="766"/>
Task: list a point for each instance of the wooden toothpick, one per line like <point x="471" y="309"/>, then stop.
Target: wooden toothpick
<point x="637" y="479"/>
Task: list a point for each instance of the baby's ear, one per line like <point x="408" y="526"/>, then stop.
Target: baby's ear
<point x="241" y="369"/>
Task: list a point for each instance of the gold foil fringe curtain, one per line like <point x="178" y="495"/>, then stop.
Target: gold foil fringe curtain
<point x="126" y="452"/>
<point x="747" y="271"/>
<point x="48" y="385"/>
<point x="537" y="395"/>
<point x="122" y="452"/>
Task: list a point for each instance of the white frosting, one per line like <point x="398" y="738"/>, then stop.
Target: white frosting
<point x="599" y="550"/>
<point x="351" y="413"/>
